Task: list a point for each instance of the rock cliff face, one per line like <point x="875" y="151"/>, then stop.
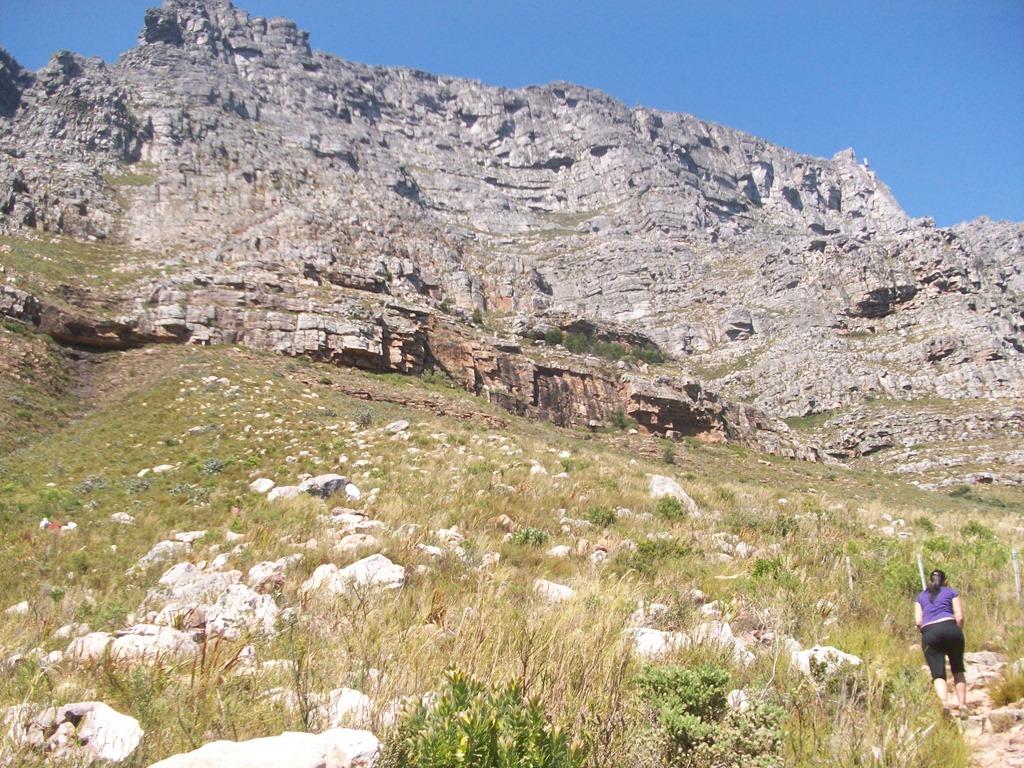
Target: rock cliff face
<point x="311" y="205"/>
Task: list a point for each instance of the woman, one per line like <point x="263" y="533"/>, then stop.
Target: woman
<point x="939" y="614"/>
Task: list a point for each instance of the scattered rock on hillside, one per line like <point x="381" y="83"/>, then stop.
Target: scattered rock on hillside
<point x="335" y="748"/>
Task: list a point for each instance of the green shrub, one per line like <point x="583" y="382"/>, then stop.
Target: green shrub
<point x="651" y="554"/>
<point x="602" y="517"/>
<point x="925" y="524"/>
<point x="531" y="537"/>
<point x="668" y="454"/>
<point x="553" y="336"/>
<point x="670" y="509"/>
<point x="213" y="466"/>
<point x="437" y="377"/>
<point x="363" y="416"/>
<point x="619" y="419"/>
<point x="477" y="318"/>
<point x="767" y="568"/>
<point x="975" y="530"/>
<point x="696" y="725"/>
<point x="473" y="726"/>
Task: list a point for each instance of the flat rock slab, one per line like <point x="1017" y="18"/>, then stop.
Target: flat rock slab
<point x="336" y="748"/>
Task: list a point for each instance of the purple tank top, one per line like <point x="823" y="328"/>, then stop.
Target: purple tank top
<point x="941" y="609"/>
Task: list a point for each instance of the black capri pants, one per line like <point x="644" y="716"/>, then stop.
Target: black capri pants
<point x="940" y="640"/>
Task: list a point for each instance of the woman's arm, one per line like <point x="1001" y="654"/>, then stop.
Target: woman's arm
<point x="918" y="614"/>
<point x="958" y="611"/>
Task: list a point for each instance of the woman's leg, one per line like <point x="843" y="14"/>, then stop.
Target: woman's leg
<point x="941" y="689"/>
<point x="960" y="683"/>
<point x="956" y="664"/>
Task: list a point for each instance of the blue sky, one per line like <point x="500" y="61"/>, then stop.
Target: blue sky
<point x="932" y="93"/>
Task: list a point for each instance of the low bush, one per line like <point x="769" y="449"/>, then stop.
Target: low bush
<point x="530" y="537"/>
<point x="698" y="728"/>
<point x="670" y="509"/>
<point x="602" y="517"/>
<point x="475" y="726"/>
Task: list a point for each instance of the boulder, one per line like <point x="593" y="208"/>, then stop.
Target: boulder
<point x="323" y="486"/>
<point x="347" y="706"/>
<point x="551" y="592"/>
<point x="375" y="571"/>
<point x="650" y="643"/>
<point x="825" y="658"/>
<point x="102" y="730"/>
<point x="142" y="643"/>
<point x="283" y="492"/>
<point x="262" y="485"/>
<point x="397" y="426"/>
<point x="661" y="486"/>
<point x="335" y="748"/>
<point x="241" y="610"/>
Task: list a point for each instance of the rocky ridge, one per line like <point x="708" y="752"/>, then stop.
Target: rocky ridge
<point x="310" y="205"/>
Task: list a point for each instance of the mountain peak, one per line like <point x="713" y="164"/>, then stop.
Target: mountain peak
<point x="222" y="29"/>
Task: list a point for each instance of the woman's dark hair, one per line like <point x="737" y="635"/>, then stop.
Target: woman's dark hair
<point x="936" y="581"/>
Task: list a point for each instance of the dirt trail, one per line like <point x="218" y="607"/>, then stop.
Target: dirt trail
<point x="995" y="734"/>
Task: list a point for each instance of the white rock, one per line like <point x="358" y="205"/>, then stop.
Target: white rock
<point x="370" y="572"/>
<point x="323" y="486"/>
<point x="143" y="643"/>
<point x="654" y="644"/>
<point x="161" y="552"/>
<point x="560" y="551"/>
<point x="262" y="485"/>
<point x="162" y="468"/>
<point x="347" y="707"/>
<point x="552" y="592"/>
<point x="738" y="699"/>
<point x="283" y="492"/>
<point x="18" y="609"/>
<point x="122" y="518"/>
<point x="69" y="631"/>
<point x="335" y="748"/>
<point x="430" y="549"/>
<point x="824" y="657"/>
<point x="397" y="426"/>
<point x="352" y="543"/>
<point x="189" y="537"/>
<point x="646" y="614"/>
<point x="537" y="469"/>
<point x="240" y="610"/>
<point x="352" y="492"/>
<point x="665" y="486"/>
<point x="105" y="732"/>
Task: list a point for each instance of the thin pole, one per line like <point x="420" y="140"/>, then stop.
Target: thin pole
<point x="849" y="574"/>
<point x="1016" y="573"/>
<point x="920" y="570"/>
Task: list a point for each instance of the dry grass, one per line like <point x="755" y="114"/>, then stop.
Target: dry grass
<point x="278" y="418"/>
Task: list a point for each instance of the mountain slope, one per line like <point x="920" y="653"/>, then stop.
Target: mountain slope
<point x="290" y="194"/>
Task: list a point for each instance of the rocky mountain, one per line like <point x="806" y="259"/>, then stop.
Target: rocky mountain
<point x="263" y="193"/>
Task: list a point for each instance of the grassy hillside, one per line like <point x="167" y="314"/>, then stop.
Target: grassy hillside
<point x="222" y="417"/>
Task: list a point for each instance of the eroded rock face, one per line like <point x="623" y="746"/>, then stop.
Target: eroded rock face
<point x="313" y="206"/>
